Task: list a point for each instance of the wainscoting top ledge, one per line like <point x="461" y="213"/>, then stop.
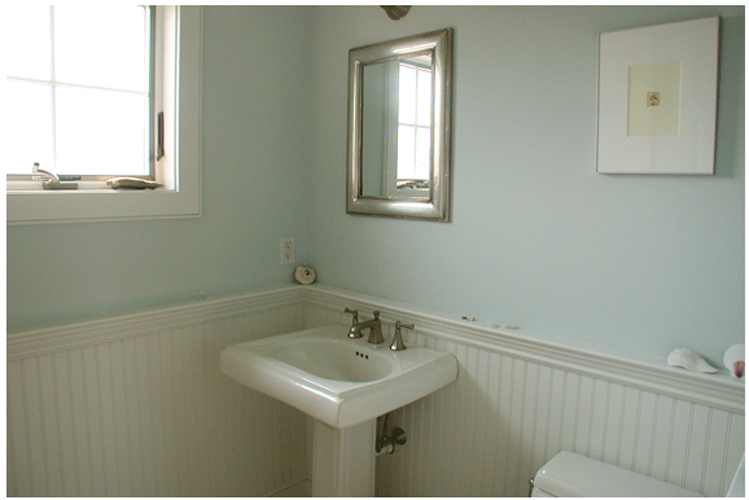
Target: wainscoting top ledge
<point x="604" y="362"/>
<point x="48" y="339"/>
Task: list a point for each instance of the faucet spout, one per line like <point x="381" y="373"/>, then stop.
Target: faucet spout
<point x="375" y="329"/>
<point x="355" y="331"/>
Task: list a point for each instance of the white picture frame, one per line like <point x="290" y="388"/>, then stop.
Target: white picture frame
<point x="667" y="129"/>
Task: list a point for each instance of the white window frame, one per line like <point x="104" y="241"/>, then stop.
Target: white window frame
<point x="181" y="196"/>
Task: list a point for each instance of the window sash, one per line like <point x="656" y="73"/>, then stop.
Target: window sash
<point x="154" y="94"/>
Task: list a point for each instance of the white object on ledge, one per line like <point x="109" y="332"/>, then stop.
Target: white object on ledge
<point x="734" y="360"/>
<point x="689" y="360"/>
<point x="304" y="275"/>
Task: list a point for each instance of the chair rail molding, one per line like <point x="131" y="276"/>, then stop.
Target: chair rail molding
<point x="56" y="338"/>
<point x="649" y="372"/>
<point x="134" y="404"/>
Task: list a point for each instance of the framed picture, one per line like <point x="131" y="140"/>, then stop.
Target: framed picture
<point x="657" y="99"/>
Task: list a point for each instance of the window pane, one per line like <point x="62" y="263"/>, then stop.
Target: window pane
<point x="102" y="45"/>
<point x="424" y="98"/>
<point x="28" y="129"/>
<point x="423" y="147"/>
<point x="406" y="145"/>
<point x="28" y="27"/>
<point x="101" y="132"/>
<point x="406" y="94"/>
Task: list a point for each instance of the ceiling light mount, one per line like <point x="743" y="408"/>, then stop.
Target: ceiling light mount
<point x="396" y="12"/>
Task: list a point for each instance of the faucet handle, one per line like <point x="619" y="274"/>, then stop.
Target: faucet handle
<point x="376" y="314"/>
<point x="355" y="314"/>
<point x="398" y="344"/>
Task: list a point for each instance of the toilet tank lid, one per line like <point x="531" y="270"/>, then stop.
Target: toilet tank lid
<point x="570" y="474"/>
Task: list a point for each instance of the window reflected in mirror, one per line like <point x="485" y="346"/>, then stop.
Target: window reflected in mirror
<point x="397" y="128"/>
<point x="414" y="123"/>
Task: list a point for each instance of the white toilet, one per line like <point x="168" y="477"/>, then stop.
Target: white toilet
<point x="572" y="475"/>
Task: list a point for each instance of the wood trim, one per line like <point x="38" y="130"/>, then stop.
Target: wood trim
<point x="638" y="370"/>
<point x="633" y="369"/>
<point x="59" y="338"/>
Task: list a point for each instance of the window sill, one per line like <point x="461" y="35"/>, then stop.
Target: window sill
<point x="84" y="187"/>
<point x="89" y="205"/>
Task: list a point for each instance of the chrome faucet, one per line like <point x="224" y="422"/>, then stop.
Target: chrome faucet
<point x="374" y="325"/>
<point x="355" y="315"/>
<point x="398" y="344"/>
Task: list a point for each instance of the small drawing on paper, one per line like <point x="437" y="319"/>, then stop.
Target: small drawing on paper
<point x="654" y="112"/>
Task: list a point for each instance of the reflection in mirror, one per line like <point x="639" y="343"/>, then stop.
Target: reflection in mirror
<point x="399" y="137"/>
<point x="397" y="128"/>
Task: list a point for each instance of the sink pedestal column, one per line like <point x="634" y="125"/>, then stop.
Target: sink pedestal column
<point x="343" y="460"/>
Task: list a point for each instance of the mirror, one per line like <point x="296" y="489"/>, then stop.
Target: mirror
<point x="399" y="127"/>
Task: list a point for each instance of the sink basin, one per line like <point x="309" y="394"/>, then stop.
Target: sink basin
<point x="339" y="381"/>
<point x="332" y="359"/>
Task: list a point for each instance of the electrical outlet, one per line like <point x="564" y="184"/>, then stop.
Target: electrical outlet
<point x="287" y="250"/>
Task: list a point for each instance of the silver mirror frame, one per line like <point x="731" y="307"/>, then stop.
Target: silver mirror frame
<point x="436" y="207"/>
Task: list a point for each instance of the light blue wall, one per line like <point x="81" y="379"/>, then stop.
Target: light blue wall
<point x="255" y="170"/>
<point x="537" y="238"/>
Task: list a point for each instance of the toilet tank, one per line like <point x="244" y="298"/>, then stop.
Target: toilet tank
<point x="572" y="475"/>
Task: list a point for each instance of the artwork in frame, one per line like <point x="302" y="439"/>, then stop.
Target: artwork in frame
<point x="657" y="99"/>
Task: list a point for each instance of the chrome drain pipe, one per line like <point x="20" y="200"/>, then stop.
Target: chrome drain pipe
<point x="388" y="437"/>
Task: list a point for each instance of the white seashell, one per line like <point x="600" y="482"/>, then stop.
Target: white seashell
<point x="304" y="275"/>
<point x="734" y="360"/>
<point x="687" y="359"/>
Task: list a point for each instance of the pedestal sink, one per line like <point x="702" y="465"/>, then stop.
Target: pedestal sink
<point x="344" y="384"/>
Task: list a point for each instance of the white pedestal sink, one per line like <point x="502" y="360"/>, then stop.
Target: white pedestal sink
<point x="343" y="460"/>
<point x="344" y="384"/>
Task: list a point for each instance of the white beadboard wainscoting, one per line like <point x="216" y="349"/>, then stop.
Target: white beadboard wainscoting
<point x="135" y="405"/>
<point x="521" y="397"/>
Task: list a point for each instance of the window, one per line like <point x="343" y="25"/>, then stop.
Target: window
<point x="414" y="121"/>
<point x="95" y="98"/>
<point x="82" y="90"/>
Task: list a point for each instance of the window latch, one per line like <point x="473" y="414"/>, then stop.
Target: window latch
<point x="52" y="180"/>
<point x="160" y="142"/>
